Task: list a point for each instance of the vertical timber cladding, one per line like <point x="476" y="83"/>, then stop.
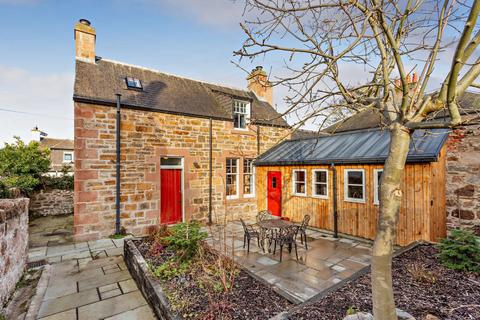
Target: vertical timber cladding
<point x="146" y="137"/>
<point x="422" y="213"/>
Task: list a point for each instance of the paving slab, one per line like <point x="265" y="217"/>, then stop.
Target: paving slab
<point x="71" y="301"/>
<point x="65" y="315"/>
<point x="143" y="313"/>
<point x="112" y="306"/>
<point x="104" y="280"/>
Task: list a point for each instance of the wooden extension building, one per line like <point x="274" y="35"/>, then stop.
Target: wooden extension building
<point x="336" y="179"/>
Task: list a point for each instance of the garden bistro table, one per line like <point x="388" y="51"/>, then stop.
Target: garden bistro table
<point x="269" y="227"/>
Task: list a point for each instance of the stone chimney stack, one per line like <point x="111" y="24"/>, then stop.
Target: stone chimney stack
<point x="259" y="84"/>
<point x="84" y="35"/>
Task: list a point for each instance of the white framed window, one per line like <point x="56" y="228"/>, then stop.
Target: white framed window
<point x="232" y="178"/>
<point x="299" y="182"/>
<point x="377" y="175"/>
<point x="241" y="114"/>
<point x="320" y="183"/>
<point x="67" y="157"/>
<point x="248" y="178"/>
<point x="354" y="185"/>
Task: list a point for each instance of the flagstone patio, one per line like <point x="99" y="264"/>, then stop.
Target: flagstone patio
<point x="326" y="262"/>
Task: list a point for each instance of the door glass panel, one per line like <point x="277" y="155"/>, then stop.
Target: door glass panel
<point x="274" y="182"/>
<point x="171" y="161"/>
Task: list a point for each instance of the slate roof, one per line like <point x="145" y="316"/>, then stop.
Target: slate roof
<point x="98" y="83"/>
<point x="469" y="103"/>
<point x="357" y="147"/>
<point x="62" y="144"/>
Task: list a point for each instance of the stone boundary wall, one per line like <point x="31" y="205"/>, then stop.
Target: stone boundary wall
<point x="13" y="244"/>
<point x="463" y="177"/>
<point x="51" y="202"/>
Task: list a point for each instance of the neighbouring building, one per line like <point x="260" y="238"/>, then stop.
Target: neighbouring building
<point x="61" y="152"/>
<point x="187" y="147"/>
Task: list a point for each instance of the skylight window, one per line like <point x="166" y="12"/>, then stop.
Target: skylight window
<point x="133" y="83"/>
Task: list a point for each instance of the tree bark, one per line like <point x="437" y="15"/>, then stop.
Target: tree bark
<point x="390" y="200"/>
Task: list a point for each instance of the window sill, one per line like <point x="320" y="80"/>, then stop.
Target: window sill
<point x="249" y="196"/>
<point x="300" y="194"/>
<point x="355" y="200"/>
<point x="320" y="197"/>
<point x="232" y="197"/>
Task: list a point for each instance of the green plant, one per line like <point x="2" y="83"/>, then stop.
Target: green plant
<point x="460" y="251"/>
<point x="185" y="238"/>
<point x="171" y="269"/>
<point x="352" y="310"/>
<point x="22" y="165"/>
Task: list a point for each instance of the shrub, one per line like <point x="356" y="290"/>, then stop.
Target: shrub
<point x="460" y="251"/>
<point x="185" y="238"/>
<point x="22" y="165"/>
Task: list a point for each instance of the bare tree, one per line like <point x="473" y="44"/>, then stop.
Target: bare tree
<point x="324" y="42"/>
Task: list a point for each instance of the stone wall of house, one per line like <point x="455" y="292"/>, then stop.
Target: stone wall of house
<point x="463" y="177"/>
<point x="51" y="202"/>
<point x="13" y="244"/>
<point x="146" y="137"/>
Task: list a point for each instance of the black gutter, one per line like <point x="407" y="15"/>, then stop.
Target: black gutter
<point x="335" y="211"/>
<point x="258" y="140"/>
<point x="210" y="173"/>
<point x="117" y="195"/>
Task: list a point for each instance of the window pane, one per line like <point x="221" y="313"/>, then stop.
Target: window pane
<point x="321" y="176"/>
<point x="355" y="192"/>
<point x="300" y="188"/>
<point x="379" y="176"/>
<point x="300" y="176"/>
<point x="274" y="182"/>
<point x="67" y="157"/>
<point x="242" y="121"/>
<point x="355" y="177"/>
<point x="321" y="189"/>
<point x="247" y="184"/>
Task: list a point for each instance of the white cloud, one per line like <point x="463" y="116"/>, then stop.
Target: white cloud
<point x="34" y="99"/>
<point x="219" y="13"/>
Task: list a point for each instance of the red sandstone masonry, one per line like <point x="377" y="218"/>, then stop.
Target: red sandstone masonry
<point x="463" y="177"/>
<point x="146" y="137"/>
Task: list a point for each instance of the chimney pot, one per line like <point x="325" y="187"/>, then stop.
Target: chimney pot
<point x="85" y="22"/>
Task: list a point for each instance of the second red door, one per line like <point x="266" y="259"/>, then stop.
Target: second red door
<point x="171" y="196"/>
<point x="274" y="192"/>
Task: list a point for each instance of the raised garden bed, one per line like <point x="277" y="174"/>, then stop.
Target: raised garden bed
<point x="422" y="286"/>
<point x="191" y="295"/>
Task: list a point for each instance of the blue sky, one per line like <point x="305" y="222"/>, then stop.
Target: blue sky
<point x="192" y="38"/>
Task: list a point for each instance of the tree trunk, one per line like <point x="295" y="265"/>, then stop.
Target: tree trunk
<point x="390" y="200"/>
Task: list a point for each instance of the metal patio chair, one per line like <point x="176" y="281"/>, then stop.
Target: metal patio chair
<point x="285" y="236"/>
<point x="302" y="229"/>
<point x="249" y="233"/>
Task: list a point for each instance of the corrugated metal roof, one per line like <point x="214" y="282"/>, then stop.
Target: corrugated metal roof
<point x="366" y="146"/>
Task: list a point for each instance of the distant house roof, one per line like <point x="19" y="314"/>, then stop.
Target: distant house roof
<point x="304" y="134"/>
<point x="469" y="103"/>
<point x="99" y="82"/>
<point x="357" y="147"/>
<point x="62" y="144"/>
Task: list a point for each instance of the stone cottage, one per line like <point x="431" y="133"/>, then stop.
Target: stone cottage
<point x="462" y="159"/>
<point x="187" y="147"/>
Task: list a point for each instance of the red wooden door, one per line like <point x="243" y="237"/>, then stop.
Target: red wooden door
<point x="274" y="192"/>
<point x="171" y="196"/>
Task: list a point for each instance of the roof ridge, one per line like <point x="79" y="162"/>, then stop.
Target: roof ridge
<point x="171" y="74"/>
<point x="326" y="135"/>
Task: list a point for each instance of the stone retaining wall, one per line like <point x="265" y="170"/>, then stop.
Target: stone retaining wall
<point x="13" y="244"/>
<point x="463" y="177"/>
<point x="51" y="202"/>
